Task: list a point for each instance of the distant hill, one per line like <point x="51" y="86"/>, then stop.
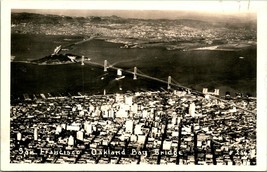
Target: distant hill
<point x="207" y="29"/>
<point x="18" y="18"/>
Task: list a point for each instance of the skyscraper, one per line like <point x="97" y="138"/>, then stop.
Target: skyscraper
<point x="58" y="129"/>
<point x="205" y="91"/>
<point x="79" y="135"/>
<point x="88" y="127"/>
<point x="192" y="108"/>
<point x="129" y="126"/>
<point x="18" y="136"/>
<point x="71" y="141"/>
<point x="35" y="133"/>
<point x="216" y="92"/>
<point x="138" y="129"/>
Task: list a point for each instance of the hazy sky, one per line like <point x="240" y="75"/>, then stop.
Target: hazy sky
<point x="146" y="14"/>
<point x="130" y="9"/>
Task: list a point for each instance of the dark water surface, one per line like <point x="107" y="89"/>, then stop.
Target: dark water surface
<point x="196" y="69"/>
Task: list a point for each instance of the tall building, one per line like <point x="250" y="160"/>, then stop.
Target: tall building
<point x="216" y="92"/>
<point x="58" y="129"/>
<point x="98" y="112"/>
<point x="35" y="134"/>
<point x="192" y="109"/>
<point x="71" y="141"/>
<point x="121" y="113"/>
<point x="19" y="136"/>
<point x="79" y="135"/>
<point x="63" y="126"/>
<point x="105" y="114"/>
<point x="167" y="144"/>
<point x="133" y="138"/>
<point x="111" y="113"/>
<point x="134" y="108"/>
<point x="141" y="138"/>
<point x="129" y="126"/>
<point x="205" y="91"/>
<point x="138" y="129"/>
<point x="119" y="98"/>
<point x="144" y="113"/>
<point x="88" y="127"/>
<point x="128" y="100"/>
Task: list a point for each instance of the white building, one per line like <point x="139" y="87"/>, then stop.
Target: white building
<point x="88" y="127"/>
<point x="128" y="100"/>
<point x="129" y="126"/>
<point x="167" y="145"/>
<point x="145" y="114"/>
<point x="134" y="108"/>
<point x="79" y="135"/>
<point x="64" y="126"/>
<point x="79" y="107"/>
<point x="121" y="114"/>
<point x="73" y="127"/>
<point x="111" y="113"/>
<point x="192" y="109"/>
<point x="91" y="108"/>
<point x="141" y="138"/>
<point x="133" y="138"/>
<point x="35" y="134"/>
<point x="216" y="92"/>
<point x="71" y="141"/>
<point x="58" y="129"/>
<point x="19" y="136"/>
<point x="205" y="91"/>
<point x="119" y="98"/>
<point x="138" y="129"/>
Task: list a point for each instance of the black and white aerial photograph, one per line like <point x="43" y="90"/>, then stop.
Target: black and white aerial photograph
<point x="134" y="86"/>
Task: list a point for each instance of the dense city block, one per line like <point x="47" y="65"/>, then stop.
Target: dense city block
<point x="171" y="127"/>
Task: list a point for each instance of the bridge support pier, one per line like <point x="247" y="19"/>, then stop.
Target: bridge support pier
<point x="82" y="61"/>
<point x="104" y="93"/>
<point x="105" y="65"/>
<point x="134" y="74"/>
<point x="169" y="82"/>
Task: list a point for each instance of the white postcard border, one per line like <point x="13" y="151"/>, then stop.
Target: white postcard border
<point x="7" y="5"/>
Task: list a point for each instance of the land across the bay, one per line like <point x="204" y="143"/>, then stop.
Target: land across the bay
<point x="195" y="69"/>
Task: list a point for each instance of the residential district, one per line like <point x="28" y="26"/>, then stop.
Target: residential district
<point x="167" y="127"/>
<point x="181" y="34"/>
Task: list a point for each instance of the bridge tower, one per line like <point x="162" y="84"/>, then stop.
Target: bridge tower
<point x="169" y="82"/>
<point x="104" y="93"/>
<point x="82" y="61"/>
<point x="105" y="65"/>
<point x="134" y="74"/>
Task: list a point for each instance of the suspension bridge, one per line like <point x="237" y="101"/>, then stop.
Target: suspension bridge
<point x="170" y="81"/>
<point x="137" y="73"/>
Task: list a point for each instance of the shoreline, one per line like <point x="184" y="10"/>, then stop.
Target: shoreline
<point x="176" y="46"/>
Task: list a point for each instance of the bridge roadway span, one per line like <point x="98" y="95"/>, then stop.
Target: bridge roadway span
<point x="172" y="84"/>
